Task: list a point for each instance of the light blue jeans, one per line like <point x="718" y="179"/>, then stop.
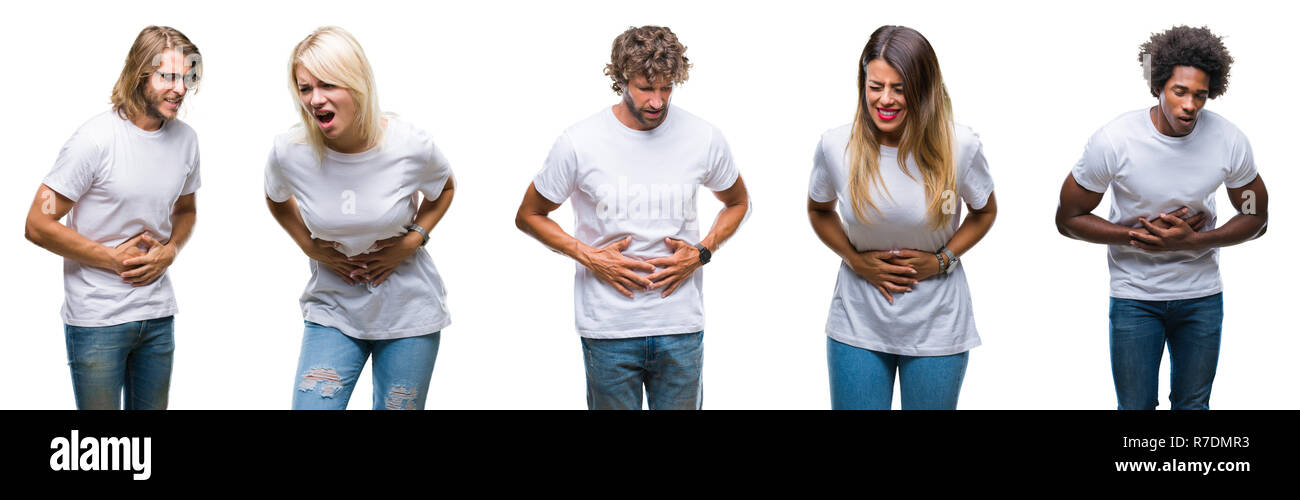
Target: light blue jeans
<point x="669" y="367"/>
<point x="331" y="361"/>
<point x="862" y="379"/>
<point x="1139" y="332"/>
<point x="131" y="359"/>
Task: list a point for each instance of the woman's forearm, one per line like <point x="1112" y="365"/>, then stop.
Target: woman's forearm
<point x="973" y="228"/>
<point x="287" y="215"/>
<point x="827" y="225"/>
<point x="431" y="212"/>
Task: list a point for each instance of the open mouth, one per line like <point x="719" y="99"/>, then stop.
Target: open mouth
<point x="172" y="102"/>
<point x="1186" y="120"/>
<point x="887" y="114"/>
<point x="325" y="118"/>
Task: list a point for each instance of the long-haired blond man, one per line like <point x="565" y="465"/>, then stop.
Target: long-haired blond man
<point x="126" y="182"/>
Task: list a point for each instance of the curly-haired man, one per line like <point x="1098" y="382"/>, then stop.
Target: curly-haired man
<point x="1164" y="164"/>
<point x="632" y="171"/>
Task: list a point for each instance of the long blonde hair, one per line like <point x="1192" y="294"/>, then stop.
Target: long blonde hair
<point x="332" y="55"/>
<point x="129" y="98"/>
<point x="928" y="134"/>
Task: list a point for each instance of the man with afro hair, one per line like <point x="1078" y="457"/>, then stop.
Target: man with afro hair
<point x="632" y="171"/>
<point x="1164" y="164"/>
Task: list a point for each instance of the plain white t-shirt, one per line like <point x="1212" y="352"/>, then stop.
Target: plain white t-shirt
<point x="124" y="181"/>
<point x="935" y="318"/>
<point x="356" y="200"/>
<point x="638" y="183"/>
<point x="1153" y="173"/>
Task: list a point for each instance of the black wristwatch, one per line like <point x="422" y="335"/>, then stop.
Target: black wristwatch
<point x="705" y="254"/>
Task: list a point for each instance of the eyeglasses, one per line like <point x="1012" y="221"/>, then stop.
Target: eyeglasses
<point x="191" y="78"/>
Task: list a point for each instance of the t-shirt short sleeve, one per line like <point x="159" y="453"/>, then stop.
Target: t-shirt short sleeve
<point x="433" y="177"/>
<point x="976" y="183"/>
<point x="722" y="171"/>
<point x="559" y="176"/>
<point x="192" y="180"/>
<point x="1095" y="168"/>
<point x="277" y="186"/>
<point x="820" y="187"/>
<point x="1242" y="170"/>
<point x="74" y="170"/>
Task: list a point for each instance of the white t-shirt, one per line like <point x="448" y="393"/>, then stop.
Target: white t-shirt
<point x="124" y="180"/>
<point x="1152" y="173"/>
<point x="638" y="183"/>
<point x="356" y="200"/>
<point x="935" y="318"/>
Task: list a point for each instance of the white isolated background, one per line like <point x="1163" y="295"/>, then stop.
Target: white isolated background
<point x="496" y="82"/>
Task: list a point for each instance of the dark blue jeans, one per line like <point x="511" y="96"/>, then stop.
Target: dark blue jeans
<point x="1139" y="332"/>
<point x="670" y="367"/>
<point x="135" y="358"/>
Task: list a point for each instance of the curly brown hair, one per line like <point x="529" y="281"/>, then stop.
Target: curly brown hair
<point x="650" y="51"/>
<point x="1186" y="46"/>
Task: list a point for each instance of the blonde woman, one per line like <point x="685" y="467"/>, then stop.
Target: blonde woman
<point x="897" y="175"/>
<point x="131" y="174"/>
<point x="346" y="185"/>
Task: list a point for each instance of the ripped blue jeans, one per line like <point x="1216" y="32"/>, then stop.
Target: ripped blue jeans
<point x="331" y="361"/>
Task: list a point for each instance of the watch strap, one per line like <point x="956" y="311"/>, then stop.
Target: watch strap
<point x="423" y="233"/>
<point x="952" y="259"/>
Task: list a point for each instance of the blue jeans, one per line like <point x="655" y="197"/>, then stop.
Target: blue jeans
<point x="671" y="368"/>
<point x="134" y="357"/>
<point x="862" y="379"/>
<point x="1139" y="331"/>
<point x="331" y="361"/>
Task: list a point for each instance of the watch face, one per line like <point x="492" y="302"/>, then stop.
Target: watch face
<point x="705" y="254"/>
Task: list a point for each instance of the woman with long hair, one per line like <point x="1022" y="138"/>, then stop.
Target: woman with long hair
<point x="897" y="175"/>
<point x="346" y="186"/>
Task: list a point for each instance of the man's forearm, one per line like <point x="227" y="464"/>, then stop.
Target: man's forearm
<point x="547" y="231"/>
<point x="69" y="244"/>
<point x="1241" y="228"/>
<point x="725" y="225"/>
<point x="1093" y="229"/>
<point x="182" y="228"/>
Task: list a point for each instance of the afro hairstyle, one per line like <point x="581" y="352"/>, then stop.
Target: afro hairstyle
<point x="1186" y="46"/>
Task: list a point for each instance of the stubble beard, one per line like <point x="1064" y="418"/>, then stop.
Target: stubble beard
<point x="638" y="115"/>
<point x="155" y="100"/>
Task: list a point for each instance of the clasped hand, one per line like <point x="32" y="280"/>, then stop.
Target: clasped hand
<point x="624" y="274"/>
<point x="1168" y="231"/>
<point x="141" y="260"/>
<point x="894" y="271"/>
<point x="373" y="267"/>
